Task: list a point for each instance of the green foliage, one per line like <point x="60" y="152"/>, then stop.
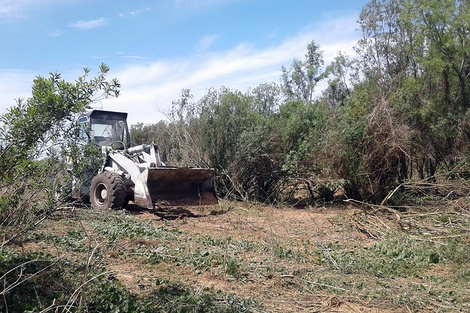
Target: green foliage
<point x="24" y="276"/>
<point x="122" y="225"/>
<point x="301" y="128"/>
<point x="31" y="133"/>
<point x="406" y="114"/>
<point x="224" y="115"/>
<point x="36" y="135"/>
<point x="232" y="266"/>
<point x="398" y="255"/>
<point x="159" y="133"/>
<point x="337" y="72"/>
<point x="108" y="295"/>
<point x="176" y="298"/>
<point x="299" y="81"/>
<point x="223" y="130"/>
<point x="46" y="284"/>
<point x="256" y="169"/>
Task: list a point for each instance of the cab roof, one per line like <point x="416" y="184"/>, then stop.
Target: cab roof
<point x="106" y="114"/>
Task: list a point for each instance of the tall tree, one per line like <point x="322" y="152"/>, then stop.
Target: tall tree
<point x="446" y="24"/>
<point x="300" y="80"/>
<point x="338" y="76"/>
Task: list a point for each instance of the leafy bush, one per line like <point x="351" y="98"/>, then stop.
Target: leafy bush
<point x="31" y="282"/>
<point x="34" y="134"/>
<point x="31" y="132"/>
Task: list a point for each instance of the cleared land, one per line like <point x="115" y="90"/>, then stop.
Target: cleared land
<point x="251" y="257"/>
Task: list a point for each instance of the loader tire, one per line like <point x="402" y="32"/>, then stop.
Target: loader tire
<point x="107" y="191"/>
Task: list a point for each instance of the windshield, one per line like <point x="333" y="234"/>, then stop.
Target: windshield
<point x="109" y="131"/>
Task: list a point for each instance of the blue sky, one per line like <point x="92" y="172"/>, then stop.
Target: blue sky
<point x="156" y="48"/>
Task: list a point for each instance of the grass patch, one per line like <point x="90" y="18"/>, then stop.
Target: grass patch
<point x="119" y="225"/>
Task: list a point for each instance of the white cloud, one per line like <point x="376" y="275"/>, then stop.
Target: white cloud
<point x="133" y="13"/>
<point x="10" y="9"/>
<point x="134" y="57"/>
<point x="206" y="42"/>
<point x="86" y="25"/>
<point x="20" y="9"/>
<point x="149" y="90"/>
<point x="201" y="5"/>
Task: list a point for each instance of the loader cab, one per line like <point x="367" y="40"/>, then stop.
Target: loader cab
<point x="106" y="128"/>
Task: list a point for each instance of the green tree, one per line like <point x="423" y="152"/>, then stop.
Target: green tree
<point x="413" y="58"/>
<point x="230" y="131"/>
<point x="338" y="75"/>
<point x="265" y="99"/>
<point x="223" y="116"/>
<point x="446" y="24"/>
<point x="300" y="80"/>
<point x="31" y="132"/>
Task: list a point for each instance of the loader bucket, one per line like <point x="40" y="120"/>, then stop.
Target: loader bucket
<point x="176" y="186"/>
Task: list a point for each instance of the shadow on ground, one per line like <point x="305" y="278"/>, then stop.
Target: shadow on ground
<point x="164" y="212"/>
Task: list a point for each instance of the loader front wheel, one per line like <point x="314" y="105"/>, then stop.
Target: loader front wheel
<point x="107" y="191"/>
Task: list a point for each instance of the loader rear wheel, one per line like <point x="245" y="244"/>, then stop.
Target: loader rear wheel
<point x="62" y="188"/>
<point x="107" y="191"/>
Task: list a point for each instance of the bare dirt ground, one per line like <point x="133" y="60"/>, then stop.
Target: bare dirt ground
<point x="284" y="259"/>
<point x="290" y="227"/>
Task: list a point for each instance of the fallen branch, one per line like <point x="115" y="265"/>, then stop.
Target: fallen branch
<point x="375" y="207"/>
